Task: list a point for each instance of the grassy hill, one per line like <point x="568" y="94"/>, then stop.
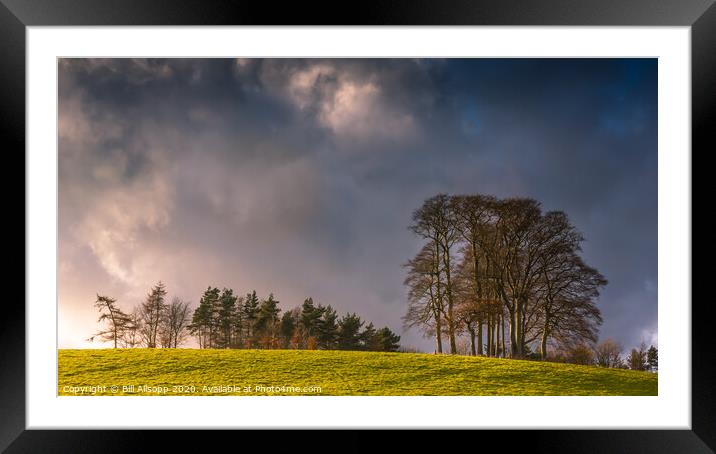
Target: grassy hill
<point x="188" y="372"/>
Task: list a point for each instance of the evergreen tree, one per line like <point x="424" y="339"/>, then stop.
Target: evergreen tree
<point x="204" y="320"/>
<point x="267" y="314"/>
<point x="327" y="328"/>
<point x="266" y="321"/>
<point x="238" y="325"/>
<point x="288" y="328"/>
<point x="652" y="359"/>
<point x="386" y="341"/>
<point x="225" y="320"/>
<point x="349" y="332"/>
<point x="310" y="318"/>
<point x="367" y="337"/>
<point x="200" y="323"/>
<point x="250" y="313"/>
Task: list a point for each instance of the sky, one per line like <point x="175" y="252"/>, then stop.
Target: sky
<point x="299" y="176"/>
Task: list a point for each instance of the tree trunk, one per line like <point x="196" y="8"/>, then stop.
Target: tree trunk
<point x="448" y="291"/>
<point x="494" y="335"/>
<point x="479" y="337"/>
<point x="478" y="294"/>
<point x="114" y="325"/>
<point x="545" y="335"/>
<point x="513" y="335"/>
<point x="502" y="323"/>
<point x="438" y="334"/>
<point x="519" y="335"/>
<point x="489" y="335"/>
<point x="451" y="334"/>
<point x="438" y="325"/>
<point x="472" y="340"/>
<point x="497" y="337"/>
<point x="523" y="327"/>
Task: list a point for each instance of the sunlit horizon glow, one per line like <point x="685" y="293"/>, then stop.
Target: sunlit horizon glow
<point x="298" y="177"/>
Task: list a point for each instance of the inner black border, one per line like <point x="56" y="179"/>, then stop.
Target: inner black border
<point x="15" y="15"/>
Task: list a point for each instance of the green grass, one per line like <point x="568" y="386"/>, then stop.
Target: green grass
<point x="336" y="373"/>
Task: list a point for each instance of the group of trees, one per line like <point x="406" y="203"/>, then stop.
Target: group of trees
<point x="608" y="353"/>
<point x="502" y="272"/>
<point x="153" y="323"/>
<point x="644" y="359"/>
<point x="225" y="320"/>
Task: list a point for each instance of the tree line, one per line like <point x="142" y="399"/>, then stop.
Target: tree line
<point x="608" y="353"/>
<point x="225" y="320"/>
<point x="502" y="272"/>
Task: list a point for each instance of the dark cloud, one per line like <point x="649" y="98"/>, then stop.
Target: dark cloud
<point x="300" y="176"/>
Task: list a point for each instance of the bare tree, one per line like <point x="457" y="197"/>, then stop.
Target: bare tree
<point x="174" y="324"/>
<point x="608" y="353"/>
<point x="425" y="299"/>
<point x="567" y="300"/>
<point x="518" y="269"/>
<point x="435" y="222"/>
<point x="512" y="249"/>
<point x="177" y="320"/>
<point x="469" y="315"/>
<point x="131" y="335"/>
<point x="474" y="216"/>
<point x="117" y="321"/>
<point x="581" y="354"/>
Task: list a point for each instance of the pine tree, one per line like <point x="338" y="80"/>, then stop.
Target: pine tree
<point x="238" y="326"/>
<point x="266" y="321"/>
<point x="327" y="328"/>
<point x="250" y="313"/>
<point x="652" y="359"/>
<point x="386" y="341"/>
<point x="310" y="318"/>
<point x="288" y="328"/>
<point x="200" y="323"/>
<point x="349" y="332"/>
<point x="225" y="320"/>
<point x="203" y="324"/>
<point x="367" y="337"/>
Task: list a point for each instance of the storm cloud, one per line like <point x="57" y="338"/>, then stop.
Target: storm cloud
<point x="299" y="176"/>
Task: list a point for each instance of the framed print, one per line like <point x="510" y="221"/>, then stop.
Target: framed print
<point x="473" y="215"/>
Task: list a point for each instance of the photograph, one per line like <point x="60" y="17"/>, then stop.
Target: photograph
<point x="465" y="215"/>
<point x="357" y="226"/>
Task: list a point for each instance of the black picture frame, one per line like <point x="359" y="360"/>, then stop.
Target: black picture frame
<point x="16" y="15"/>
